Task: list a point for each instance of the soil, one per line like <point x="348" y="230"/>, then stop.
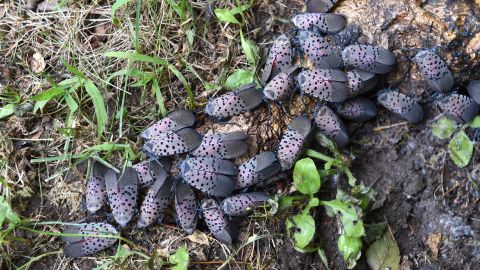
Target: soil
<point x="424" y="193"/>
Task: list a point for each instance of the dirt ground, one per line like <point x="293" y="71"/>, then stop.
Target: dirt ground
<point x="424" y="193"/>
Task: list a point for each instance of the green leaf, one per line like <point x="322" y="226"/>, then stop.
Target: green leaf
<point x="240" y="9"/>
<point x="443" y="128"/>
<point x="39" y="105"/>
<point x="306" y="177"/>
<point x="342" y="208"/>
<point x="225" y="15"/>
<point x="286" y="202"/>
<point x="323" y="257"/>
<point x="237" y="78"/>
<point x="228" y="15"/>
<point x="50" y="93"/>
<point x="460" y="149"/>
<point x="304" y="229"/>
<point x="7" y="110"/>
<point x="352" y="227"/>
<point x="99" y="106"/>
<point x="326" y="142"/>
<point x="190" y="36"/>
<point x="352" y="223"/>
<point x="384" y="253"/>
<point x="250" y="49"/>
<point x="160" y="100"/>
<point x="71" y="103"/>
<point x="155" y="60"/>
<point x="180" y="259"/>
<point x="475" y="123"/>
<point x="351" y="249"/>
<point x="178" y="9"/>
<point x="73" y="70"/>
<point x="375" y="231"/>
<point x="6" y="212"/>
<point x="122" y="254"/>
<point x="118" y="4"/>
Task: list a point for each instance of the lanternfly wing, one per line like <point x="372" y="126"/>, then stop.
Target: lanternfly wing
<point x="461" y="108"/>
<point x="321" y="51"/>
<point x="172" y="143"/>
<point x="369" y="58"/>
<point x="402" y="105"/>
<point x="357" y="109"/>
<point x="186" y="207"/>
<point x="174" y="121"/>
<point x="243" y="204"/>
<point x="210" y="175"/>
<point x="122" y="194"/>
<point x="434" y="70"/>
<point x="257" y="169"/>
<point x="223" y="145"/>
<point x="291" y="145"/>
<point x="279" y="58"/>
<point x="331" y="125"/>
<point x="217" y="221"/>
<point x="324" y="84"/>
<point x="91" y="238"/>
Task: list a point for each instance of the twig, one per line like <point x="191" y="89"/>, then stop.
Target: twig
<point x="390" y="126"/>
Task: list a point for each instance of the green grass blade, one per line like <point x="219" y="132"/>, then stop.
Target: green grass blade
<point x="72" y="104"/>
<point x="39" y="105"/>
<point x="179" y="10"/>
<point x="155" y="60"/>
<point x="73" y="70"/>
<point x="160" y="100"/>
<point x="98" y="104"/>
<point x="137" y="57"/>
<point x="49" y="94"/>
<point x="118" y="4"/>
<point x="137" y="25"/>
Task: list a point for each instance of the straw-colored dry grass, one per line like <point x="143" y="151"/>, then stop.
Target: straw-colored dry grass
<point x="35" y="37"/>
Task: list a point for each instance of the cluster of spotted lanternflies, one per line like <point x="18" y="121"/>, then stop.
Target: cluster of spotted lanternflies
<point x="337" y="81"/>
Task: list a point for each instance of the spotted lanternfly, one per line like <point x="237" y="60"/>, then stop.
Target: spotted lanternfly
<point x="459" y="107"/>
<point x="357" y="109"/>
<point x="327" y="23"/>
<point x="291" y="145"/>
<point x="156" y="201"/>
<point x="316" y="6"/>
<point x="242" y="100"/>
<point x="257" y="169"/>
<point x="400" y="104"/>
<point x="174" y="121"/>
<point x="222" y="145"/>
<point x="96" y="195"/>
<point x="122" y="194"/>
<point x="172" y="143"/>
<point x="279" y="58"/>
<point x="91" y="238"/>
<point x="324" y="84"/>
<point x="186" y="207"/>
<point x="210" y="175"/>
<point x="321" y="51"/>
<point x="243" y="204"/>
<point x="281" y="86"/>
<point x="217" y="221"/>
<point x="370" y="58"/>
<point x="360" y="81"/>
<point x="331" y="125"/>
<point x="434" y="70"/>
<point x="144" y="170"/>
<point x="474" y="91"/>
